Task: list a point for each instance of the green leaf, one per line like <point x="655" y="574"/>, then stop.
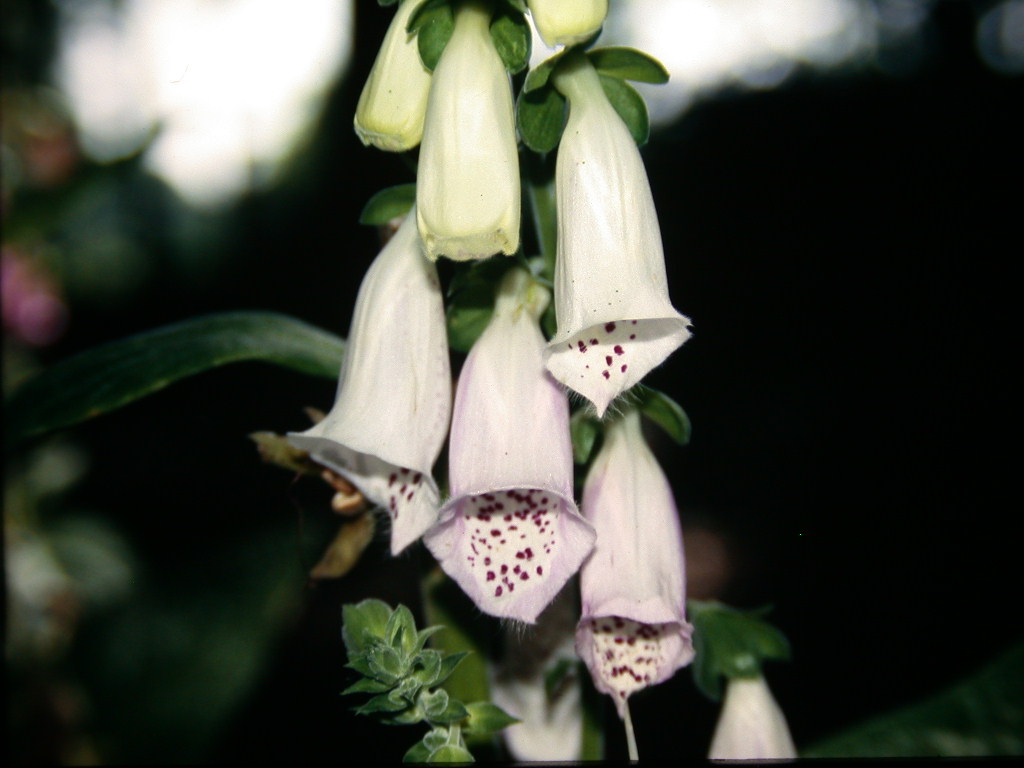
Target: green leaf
<point x="382" y="703"/>
<point x="400" y="631"/>
<point x="427" y="667"/>
<point x="511" y="34"/>
<point x="366" y="685"/>
<point x="584" y="430"/>
<point x="540" y="118"/>
<point x="471" y="300"/>
<point x="628" y="64"/>
<point x="436" y="738"/>
<point x="450" y="753"/>
<point x="665" y="412"/>
<point x="979" y="716"/>
<point x="388" y="204"/>
<point x="108" y="377"/>
<point x="630" y="106"/>
<point x="453" y="712"/>
<point x="363" y="622"/>
<point x="730" y="643"/>
<point x="486" y="718"/>
<point x="423" y="635"/>
<point x="433" y="23"/>
<point x="387" y="663"/>
<point x="434" y="703"/>
<point x="386" y="3"/>
<point x="538" y="76"/>
<point x="418" y="753"/>
<point x="448" y="666"/>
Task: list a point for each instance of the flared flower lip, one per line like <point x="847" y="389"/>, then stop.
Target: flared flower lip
<point x="488" y="584"/>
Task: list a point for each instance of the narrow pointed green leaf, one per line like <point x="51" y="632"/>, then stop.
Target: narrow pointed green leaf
<point x="418" y="753"/>
<point x="665" y="412"/>
<point x="111" y="376"/>
<point x="388" y="204"/>
<point x="628" y="64"/>
<point x="630" y="105"/>
<point x="486" y="718"/>
<point x="448" y="665"/>
<point x="366" y="686"/>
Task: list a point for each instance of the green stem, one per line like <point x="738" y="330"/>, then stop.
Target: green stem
<point x="540" y="189"/>
<point x="630" y="737"/>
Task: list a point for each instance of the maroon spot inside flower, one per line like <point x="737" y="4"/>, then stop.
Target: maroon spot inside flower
<point x="623" y="368"/>
<point x="609" y="327"/>
<point x="606" y="374"/>
<point x="497" y="592"/>
<point x="582" y="347"/>
<point x="593" y="342"/>
<point x="618" y="350"/>
<point x="540" y="570"/>
<point x="491" y="576"/>
<point x="607" y="359"/>
<point x="504" y="570"/>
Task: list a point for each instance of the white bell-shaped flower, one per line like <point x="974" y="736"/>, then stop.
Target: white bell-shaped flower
<point x="566" y="22"/>
<point x="633" y="632"/>
<point x="751" y="725"/>
<point x="615" y="319"/>
<point x="510" y="535"/>
<point x="393" y="103"/>
<point x="467" y="186"/>
<point x="391" y="413"/>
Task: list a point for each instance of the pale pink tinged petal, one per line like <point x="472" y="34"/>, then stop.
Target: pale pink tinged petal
<point x="751" y="725"/>
<point x="391" y="413"/>
<point x="511" y="535"/>
<point x="615" y="319"/>
<point x="633" y="632"/>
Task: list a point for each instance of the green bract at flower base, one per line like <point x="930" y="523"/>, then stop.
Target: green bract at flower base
<point x="467" y="190"/>
<point x="393" y="102"/>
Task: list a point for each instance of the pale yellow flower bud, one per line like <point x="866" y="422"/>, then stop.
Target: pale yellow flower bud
<point x="566" y="22"/>
<point x="394" y="100"/>
<point x="467" y="188"/>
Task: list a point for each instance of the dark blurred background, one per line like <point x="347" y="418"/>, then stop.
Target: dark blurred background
<point x="840" y="228"/>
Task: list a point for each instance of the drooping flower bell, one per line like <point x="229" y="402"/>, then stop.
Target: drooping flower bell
<point x="566" y="22"/>
<point x="392" y="409"/>
<point x="467" y="189"/>
<point x="511" y="534"/>
<point x="751" y="725"/>
<point x="633" y="632"/>
<point x="615" y="319"/>
<point x="393" y="102"/>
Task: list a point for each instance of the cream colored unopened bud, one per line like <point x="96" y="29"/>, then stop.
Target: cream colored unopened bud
<point x="394" y="100"/>
<point x="566" y="22"/>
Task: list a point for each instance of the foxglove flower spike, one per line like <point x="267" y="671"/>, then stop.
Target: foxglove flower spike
<point x="393" y="102"/>
<point x="392" y="409"/>
<point x="615" y="319"/>
<point x="633" y="632"/>
<point x="467" y="190"/>
<point x="511" y="534"/>
<point x="751" y="726"/>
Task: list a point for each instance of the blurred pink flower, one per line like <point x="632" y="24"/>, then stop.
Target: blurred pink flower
<point x="33" y="311"/>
